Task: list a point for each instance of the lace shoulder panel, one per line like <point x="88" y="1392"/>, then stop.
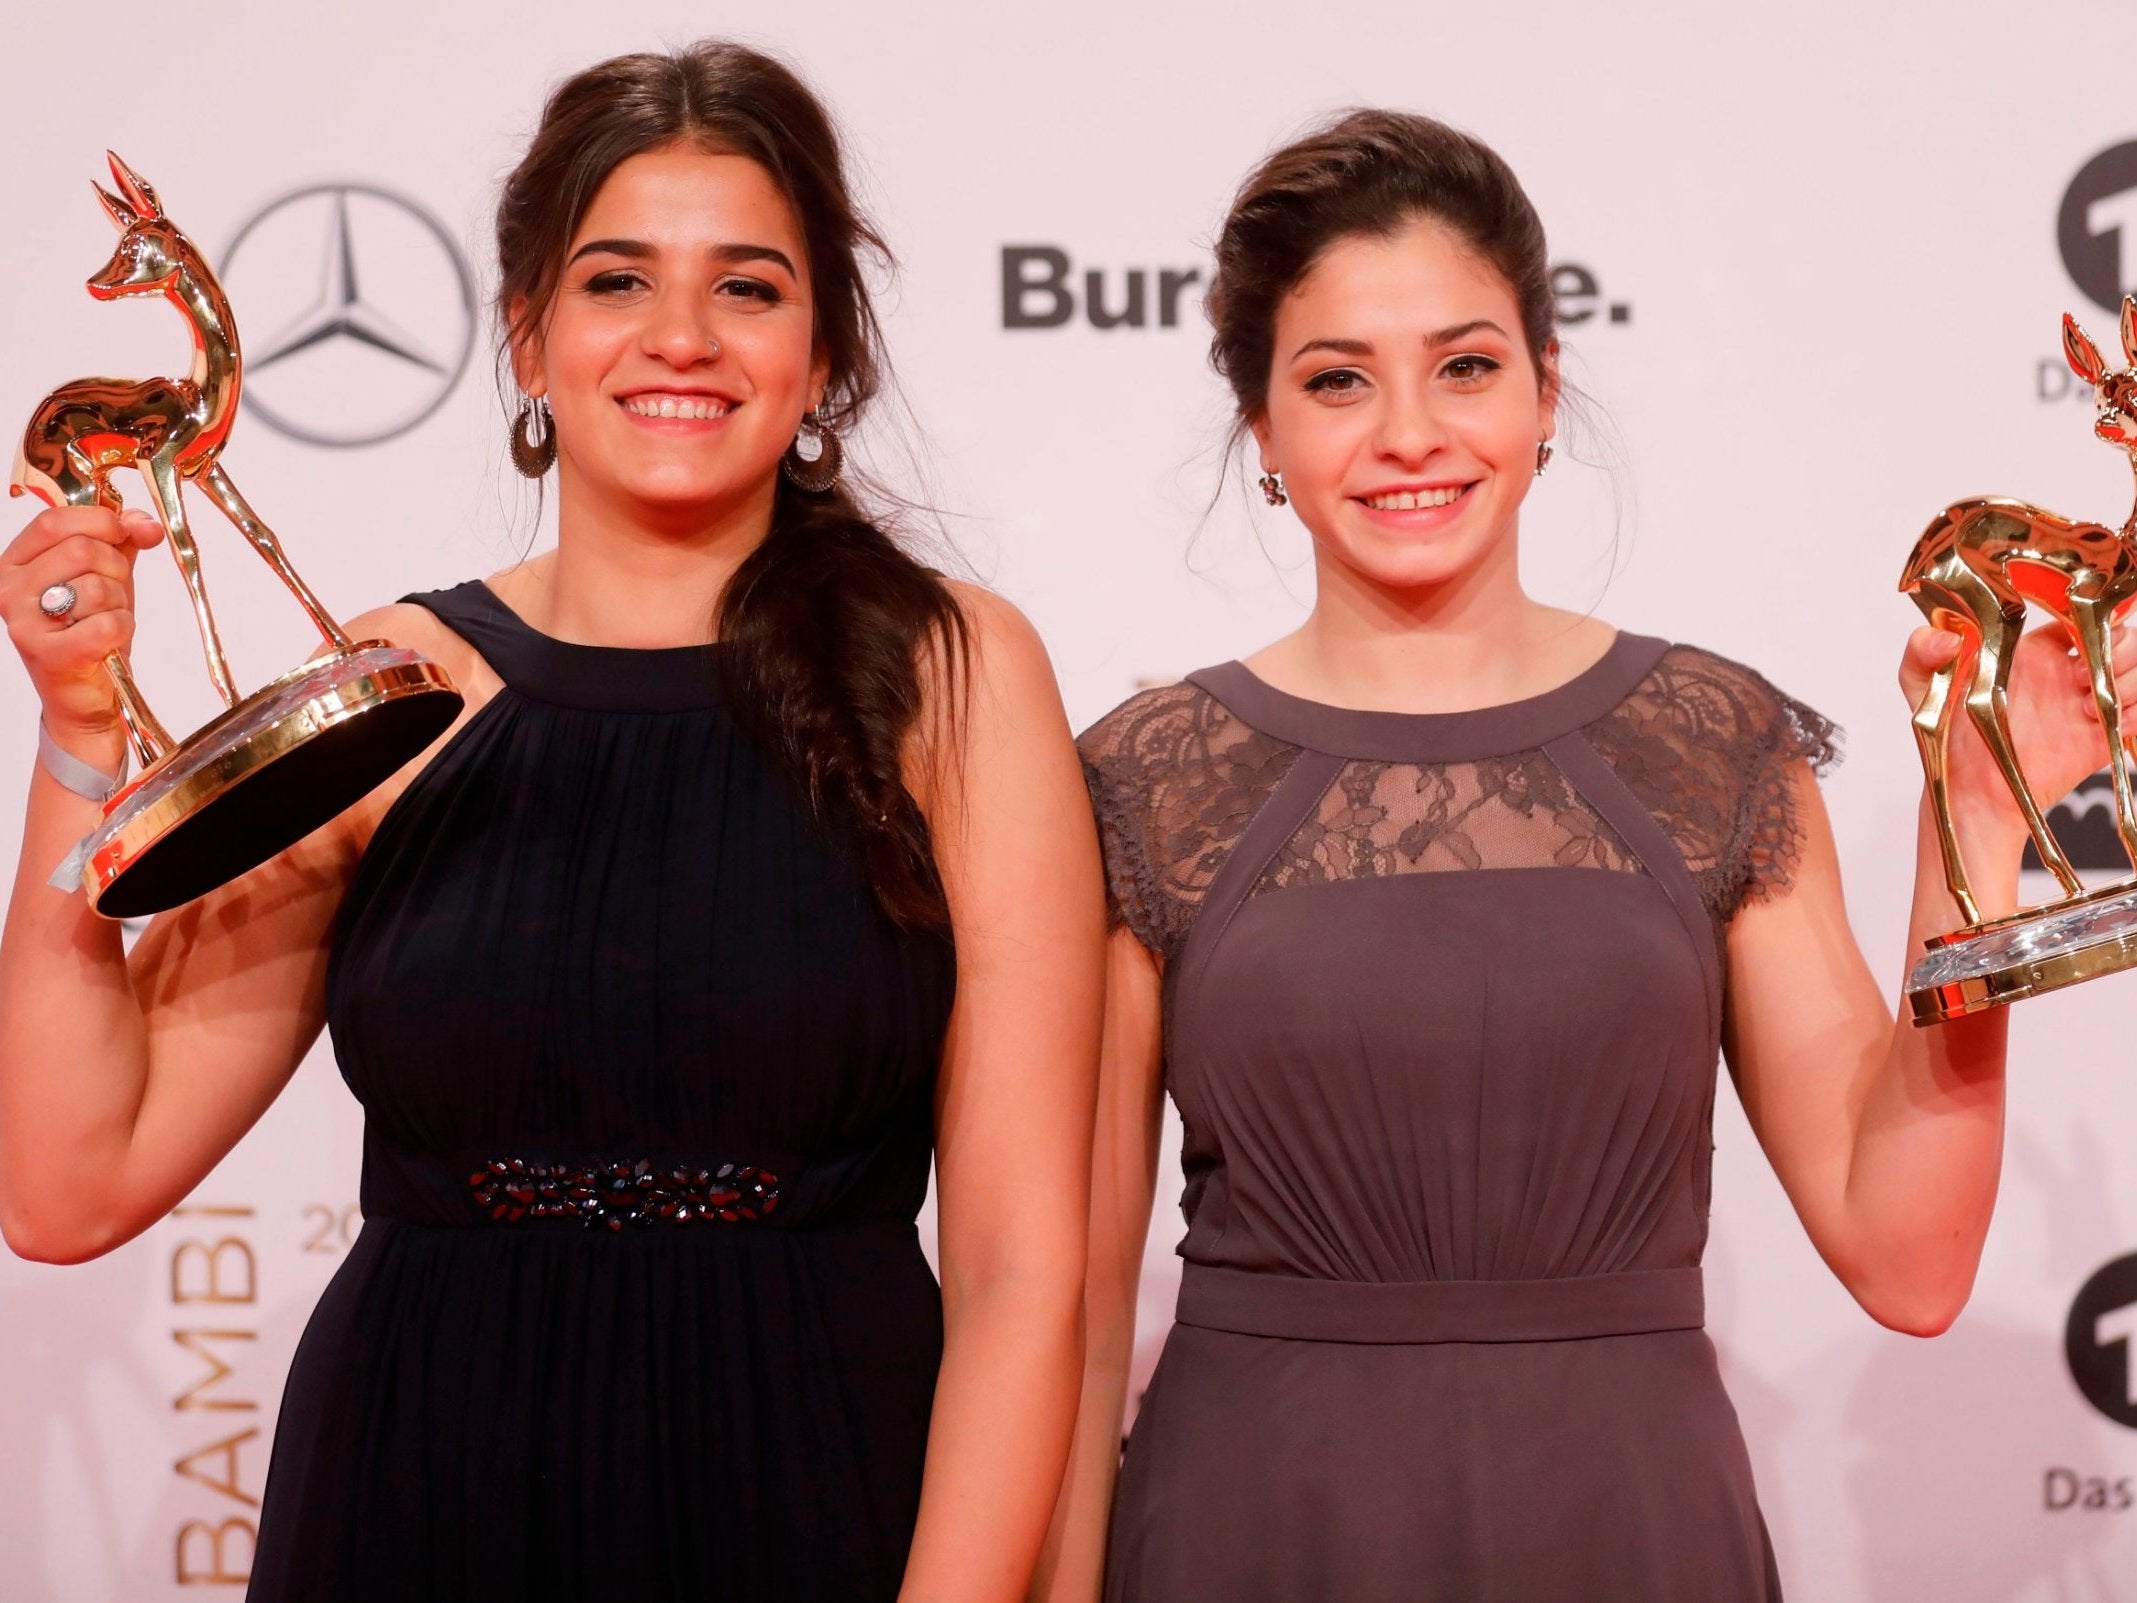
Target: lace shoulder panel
<point x="1174" y="780"/>
<point x="1711" y="749"/>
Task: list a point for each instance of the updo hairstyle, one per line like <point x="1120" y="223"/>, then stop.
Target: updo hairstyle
<point x="1367" y="173"/>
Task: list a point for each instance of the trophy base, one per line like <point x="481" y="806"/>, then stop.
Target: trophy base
<point x="2027" y="954"/>
<point x="263" y="776"/>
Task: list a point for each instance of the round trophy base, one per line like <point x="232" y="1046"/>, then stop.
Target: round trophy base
<point x="263" y="776"/>
<point x="2028" y="954"/>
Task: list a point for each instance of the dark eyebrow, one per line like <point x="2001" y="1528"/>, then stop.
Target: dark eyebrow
<point x="732" y="254"/>
<point x="1462" y="331"/>
<point x="1438" y="337"/>
<point x="1340" y="347"/>
<point x="638" y="250"/>
<point x="635" y="249"/>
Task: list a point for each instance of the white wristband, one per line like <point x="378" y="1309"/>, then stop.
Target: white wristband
<point x="74" y="774"/>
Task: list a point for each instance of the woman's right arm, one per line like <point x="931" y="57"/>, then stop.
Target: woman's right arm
<point x="1123" y="1178"/>
<point x="124" y="1081"/>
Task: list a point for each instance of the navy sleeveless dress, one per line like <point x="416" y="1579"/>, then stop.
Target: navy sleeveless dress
<point x="638" y="1308"/>
<point x="1443" y="996"/>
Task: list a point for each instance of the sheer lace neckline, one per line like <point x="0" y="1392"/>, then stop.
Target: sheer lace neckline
<point x="1436" y="737"/>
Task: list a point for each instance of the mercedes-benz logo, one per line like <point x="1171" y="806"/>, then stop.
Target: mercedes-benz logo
<point x="358" y="312"/>
<point x="2096" y="226"/>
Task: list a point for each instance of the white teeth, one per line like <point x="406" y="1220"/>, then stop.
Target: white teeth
<point x="684" y="406"/>
<point x="1411" y="500"/>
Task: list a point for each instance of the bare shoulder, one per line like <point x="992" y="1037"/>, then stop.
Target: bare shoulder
<point x="1008" y="668"/>
<point x="991" y="709"/>
<point x="999" y="628"/>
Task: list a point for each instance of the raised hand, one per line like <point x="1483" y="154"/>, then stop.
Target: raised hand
<point x="2055" y="725"/>
<point x="93" y="550"/>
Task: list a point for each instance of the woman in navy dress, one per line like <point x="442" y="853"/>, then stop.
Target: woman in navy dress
<point x="756" y="872"/>
<point x="1433" y="919"/>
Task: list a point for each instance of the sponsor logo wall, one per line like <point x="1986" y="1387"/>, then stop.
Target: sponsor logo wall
<point x="1811" y="294"/>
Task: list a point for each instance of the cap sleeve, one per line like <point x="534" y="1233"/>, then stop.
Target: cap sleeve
<point x="1122" y="768"/>
<point x="1784" y="739"/>
<point x="1174" y="777"/>
<point x="1720" y="758"/>
<point x="1131" y="891"/>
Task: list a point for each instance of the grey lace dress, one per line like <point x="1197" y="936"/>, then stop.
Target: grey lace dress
<point x="1443" y="999"/>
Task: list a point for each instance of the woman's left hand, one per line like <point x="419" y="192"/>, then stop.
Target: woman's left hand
<point x="2054" y="721"/>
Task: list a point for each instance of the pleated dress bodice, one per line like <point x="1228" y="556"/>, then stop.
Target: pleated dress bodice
<point x="647" y="1082"/>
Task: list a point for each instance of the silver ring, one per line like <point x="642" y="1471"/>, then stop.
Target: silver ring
<point x="57" y="601"/>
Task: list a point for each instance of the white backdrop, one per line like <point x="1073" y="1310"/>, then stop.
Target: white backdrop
<point x="1832" y="234"/>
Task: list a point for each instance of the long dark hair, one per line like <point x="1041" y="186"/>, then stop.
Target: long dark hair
<point x="825" y="626"/>
<point x="1366" y="172"/>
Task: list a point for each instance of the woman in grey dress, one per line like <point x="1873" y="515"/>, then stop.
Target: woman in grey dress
<point x="1433" y="917"/>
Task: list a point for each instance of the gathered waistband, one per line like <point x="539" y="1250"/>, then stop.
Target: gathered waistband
<point x="1404" y="1311"/>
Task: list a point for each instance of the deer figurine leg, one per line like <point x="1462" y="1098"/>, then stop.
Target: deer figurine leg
<point x="1932" y="737"/>
<point x="151" y="741"/>
<point x="1988" y="702"/>
<point x="2092" y="619"/>
<point x="263" y="539"/>
<point x="162" y="479"/>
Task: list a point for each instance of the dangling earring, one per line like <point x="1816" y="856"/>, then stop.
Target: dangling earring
<point x="813" y="461"/>
<point x="1272" y="489"/>
<point x="534" y="439"/>
<point x="1543" y="456"/>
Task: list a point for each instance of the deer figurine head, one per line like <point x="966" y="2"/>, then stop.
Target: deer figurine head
<point x="2115" y="391"/>
<point x="152" y="253"/>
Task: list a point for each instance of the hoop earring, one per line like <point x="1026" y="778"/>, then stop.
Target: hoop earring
<point x="815" y="473"/>
<point x="534" y="439"/>
<point x="1543" y="456"/>
<point x="1272" y="490"/>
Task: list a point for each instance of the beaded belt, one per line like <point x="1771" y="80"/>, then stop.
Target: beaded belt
<point x="612" y="1195"/>
<point x="1628" y="1304"/>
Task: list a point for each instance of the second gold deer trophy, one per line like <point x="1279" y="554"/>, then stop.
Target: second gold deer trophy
<point x="279" y="763"/>
<point x="1975" y="572"/>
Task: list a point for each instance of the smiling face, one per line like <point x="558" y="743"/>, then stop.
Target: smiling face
<point x="1404" y="409"/>
<point x="679" y="353"/>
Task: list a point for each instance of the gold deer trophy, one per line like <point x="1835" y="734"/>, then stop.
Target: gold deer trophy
<point x="279" y="763"/>
<point x="1974" y="572"/>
